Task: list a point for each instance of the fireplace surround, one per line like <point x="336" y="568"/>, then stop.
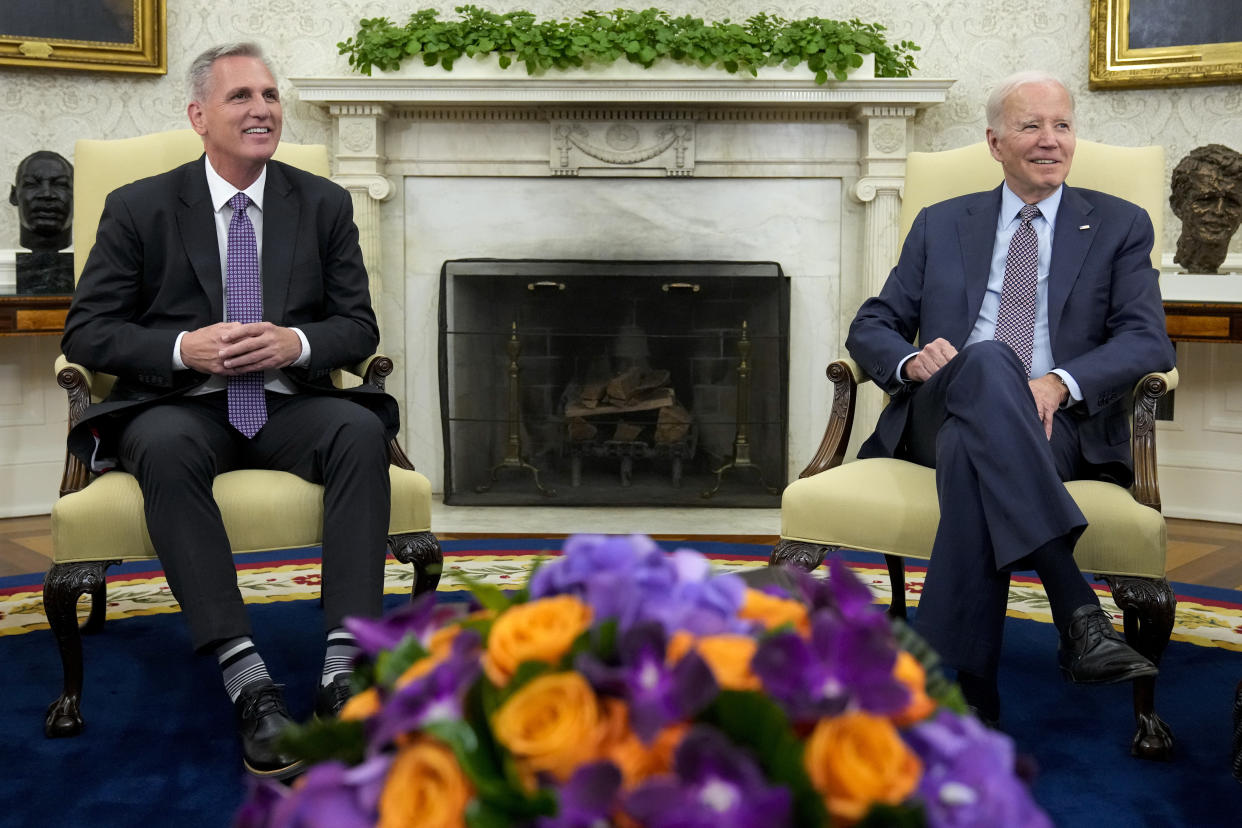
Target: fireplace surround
<point x="575" y="166"/>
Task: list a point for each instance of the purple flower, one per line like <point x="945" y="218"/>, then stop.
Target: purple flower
<point x="632" y="580"/>
<point x="848" y="663"/>
<point x="594" y="559"/>
<point x="656" y="694"/>
<point x="841" y="592"/>
<point x="587" y="799"/>
<point x="416" y="618"/>
<point x="331" y="795"/>
<point x="262" y="797"/>
<point x="435" y="696"/>
<point x="968" y="776"/>
<point x="717" y="785"/>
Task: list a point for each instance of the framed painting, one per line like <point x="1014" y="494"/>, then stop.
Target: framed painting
<point x="102" y="35"/>
<point x="1148" y="43"/>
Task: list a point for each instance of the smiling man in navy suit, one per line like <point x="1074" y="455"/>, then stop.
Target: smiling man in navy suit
<point x="1034" y="325"/>
<point x="238" y="273"/>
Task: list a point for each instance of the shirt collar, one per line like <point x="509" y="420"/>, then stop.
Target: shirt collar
<point x="221" y="190"/>
<point x="1011" y="204"/>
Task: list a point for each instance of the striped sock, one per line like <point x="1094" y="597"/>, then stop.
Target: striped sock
<point x="340" y="655"/>
<point x="241" y="664"/>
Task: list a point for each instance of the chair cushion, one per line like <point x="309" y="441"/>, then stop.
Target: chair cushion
<point x="890" y="506"/>
<point x="263" y="510"/>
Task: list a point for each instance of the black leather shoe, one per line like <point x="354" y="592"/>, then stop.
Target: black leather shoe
<point x="1092" y="652"/>
<point x="332" y="697"/>
<point x="261" y="717"/>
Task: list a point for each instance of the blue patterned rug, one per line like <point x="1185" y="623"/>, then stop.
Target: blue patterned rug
<point x="158" y="747"/>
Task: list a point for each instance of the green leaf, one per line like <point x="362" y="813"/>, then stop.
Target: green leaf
<point x="390" y="664"/>
<point x="642" y="36"/>
<point x="880" y="815"/>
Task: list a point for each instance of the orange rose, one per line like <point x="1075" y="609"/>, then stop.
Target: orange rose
<point x="425" y="787"/>
<point x="361" y="706"/>
<point x="728" y="657"/>
<point x="539" y="631"/>
<point x="856" y="759"/>
<point x="909" y="672"/>
<point x="773" y="612"/>
<point x="636" y="760"/>
<point x="552" y="724"/>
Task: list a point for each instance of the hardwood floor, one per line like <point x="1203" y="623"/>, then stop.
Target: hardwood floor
<point x="1200" y="552"/>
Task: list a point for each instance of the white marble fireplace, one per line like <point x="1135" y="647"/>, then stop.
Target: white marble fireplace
<point x="630" y="166"/>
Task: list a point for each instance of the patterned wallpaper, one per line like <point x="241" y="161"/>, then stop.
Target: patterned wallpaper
<point x="974" y="41"/>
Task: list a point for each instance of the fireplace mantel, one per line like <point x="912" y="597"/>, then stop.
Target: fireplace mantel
<point x="479" y="124"/>
<point x="475" y="90"/>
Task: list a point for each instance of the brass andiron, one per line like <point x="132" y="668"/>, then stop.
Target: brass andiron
<point x="741" y="443"/>
<point x="513" y="446"/>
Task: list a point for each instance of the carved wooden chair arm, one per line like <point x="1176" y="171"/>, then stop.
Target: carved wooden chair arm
<point x="76" y="380"/>
<point x="374" y="370"/>
<point x="845" y="375"/>
<point x="1147" y="392"/>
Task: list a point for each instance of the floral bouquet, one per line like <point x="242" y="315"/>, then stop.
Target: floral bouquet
<point x="629" y="687"/>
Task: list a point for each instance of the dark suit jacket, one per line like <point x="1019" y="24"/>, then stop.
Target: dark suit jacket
<point x="1105" y="316"/>
<point x="155" y="271"/>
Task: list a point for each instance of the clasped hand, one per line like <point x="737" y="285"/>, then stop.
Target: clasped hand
<point x="1049" y="392"/>
<point x="230" y="348"/>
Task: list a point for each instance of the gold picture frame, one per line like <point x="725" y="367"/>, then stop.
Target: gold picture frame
<point x="1166" y="62"/>
<point x="99" y="35"/>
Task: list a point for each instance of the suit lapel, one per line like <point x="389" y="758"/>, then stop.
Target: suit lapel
<point x="197" y="226"/>
<point x="976" y="232"/>
<point x="1075" y="231"/>
<point x="280" y="222"/>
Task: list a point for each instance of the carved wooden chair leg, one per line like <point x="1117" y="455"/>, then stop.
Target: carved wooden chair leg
<point x="423" y="551"/>
<point x="62" y="587"/>
<point x="1148" y="606"/>
<point x="897" y="582"/>
<point x="805" y="556"/>
<point x="99" y="606"/>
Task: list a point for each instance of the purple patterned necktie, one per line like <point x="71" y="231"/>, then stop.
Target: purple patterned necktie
<point x="244" y="303"/>
<point x="1015" y="318"/>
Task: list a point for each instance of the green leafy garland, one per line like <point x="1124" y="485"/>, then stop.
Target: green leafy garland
<point x="827" y="47"/>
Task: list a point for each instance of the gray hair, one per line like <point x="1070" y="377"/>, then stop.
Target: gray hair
<point x="199" y="77"/>
<point x="995" y="108"/>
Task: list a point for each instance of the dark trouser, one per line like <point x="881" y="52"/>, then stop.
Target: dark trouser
<point x="176" y="449"/>
<point x="998" y="480"/>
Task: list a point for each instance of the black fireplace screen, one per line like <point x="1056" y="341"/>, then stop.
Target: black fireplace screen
<point x="614" y="383"/>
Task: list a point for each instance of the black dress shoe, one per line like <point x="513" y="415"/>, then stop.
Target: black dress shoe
<point x="1092" y="652"/>
<point x="332" y="696"/>
<point x="261" y="717"/>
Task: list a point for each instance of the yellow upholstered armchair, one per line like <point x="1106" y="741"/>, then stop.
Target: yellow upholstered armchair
<point x="98" y="522"/>
<point x="889" y="506"/>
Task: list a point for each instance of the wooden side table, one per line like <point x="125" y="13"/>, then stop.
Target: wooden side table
<point x="26" y="314"/>
<point x="1204" y="321"/>
<point x="1201" y="308"/>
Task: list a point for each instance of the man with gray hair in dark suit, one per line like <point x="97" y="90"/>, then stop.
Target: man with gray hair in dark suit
<point x="222" y="295"/>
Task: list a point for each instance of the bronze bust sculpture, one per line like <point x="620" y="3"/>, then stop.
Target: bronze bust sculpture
<point x="42" y="191"/>
<point x="1207" y="197"/>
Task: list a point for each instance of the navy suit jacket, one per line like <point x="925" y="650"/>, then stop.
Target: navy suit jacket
<point x="155" y="271"/>
<point x="1105" y="316"/>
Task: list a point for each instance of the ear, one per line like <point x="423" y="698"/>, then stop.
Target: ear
<point x="13" y="194"/>
<point x="195" y="113"/>
<point x="993" y="143"/>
